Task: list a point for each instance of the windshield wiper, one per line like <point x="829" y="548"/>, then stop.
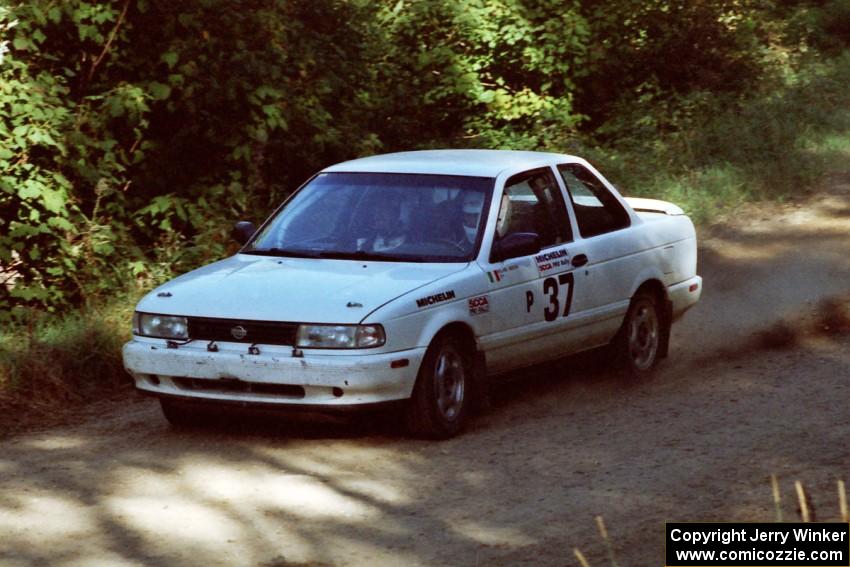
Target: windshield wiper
<point x="283" y="252"/>
<point x="355" y="255"/>
<point x="363" y="255"/>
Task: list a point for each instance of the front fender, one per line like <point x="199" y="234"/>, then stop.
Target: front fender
<point x="418" y="329"/>
<point x="414" y="319"/>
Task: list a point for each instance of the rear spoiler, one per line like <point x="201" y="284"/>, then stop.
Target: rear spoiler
<point x="641" y="205"/>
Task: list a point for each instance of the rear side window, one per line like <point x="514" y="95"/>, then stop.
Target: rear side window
<point x="532" y="202"/>
<point x="597" y="210"/>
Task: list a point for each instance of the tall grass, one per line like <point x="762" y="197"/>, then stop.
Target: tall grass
<point x="803" y="509"/>
<point x="49" y="363"/>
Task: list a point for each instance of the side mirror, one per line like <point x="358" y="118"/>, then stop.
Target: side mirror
<point x="515" y="245"/>
<point x="243" y="231"/>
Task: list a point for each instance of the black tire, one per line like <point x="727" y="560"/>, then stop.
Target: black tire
<point x="180" y="416"/>
<point x="638" y="344"/>
<point x="442" y="395"/>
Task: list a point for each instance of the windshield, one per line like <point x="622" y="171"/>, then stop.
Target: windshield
<point x="380" y="216"/>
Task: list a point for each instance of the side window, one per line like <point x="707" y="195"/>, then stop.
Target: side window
<point x="597" y="210"/>
<point x="532" y="202"/>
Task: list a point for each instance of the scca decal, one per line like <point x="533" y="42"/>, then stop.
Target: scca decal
<point x="479" y="305"/>
<point x="436" y="298"/>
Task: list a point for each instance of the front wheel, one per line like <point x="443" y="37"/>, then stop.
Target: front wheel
<point x="441" y="397"/>
<point x="638" y="342"/>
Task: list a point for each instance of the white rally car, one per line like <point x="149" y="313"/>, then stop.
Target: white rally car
<point x="414" y="276"/>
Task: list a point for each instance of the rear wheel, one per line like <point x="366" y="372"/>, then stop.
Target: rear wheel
<point x="638" y="342"/>
<point x="441" y="397"/>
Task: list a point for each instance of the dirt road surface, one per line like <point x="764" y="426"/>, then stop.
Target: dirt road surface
<point x="758" y="383"/>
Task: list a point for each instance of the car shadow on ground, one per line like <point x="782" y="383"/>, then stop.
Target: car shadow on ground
<point x="507" y="392"/>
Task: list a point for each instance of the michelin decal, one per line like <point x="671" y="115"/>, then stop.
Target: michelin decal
<point x="552" y="260"/>
<point x="436" y="298"/>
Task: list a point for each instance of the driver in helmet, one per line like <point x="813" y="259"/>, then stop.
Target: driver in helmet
<point x="388" y="224"/>
<point x="473" y="205"/>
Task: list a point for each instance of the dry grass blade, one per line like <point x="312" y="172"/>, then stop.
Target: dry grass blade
<point x="580" y="556"/>
<point x="600" y="523"/>
<point x="777" y="498"/>
<point x="842" y="502"/>
<point x="801" y="497"/>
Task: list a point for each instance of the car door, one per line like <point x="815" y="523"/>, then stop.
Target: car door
<point x="604" y="227"/>
<point x="531" y="296"/>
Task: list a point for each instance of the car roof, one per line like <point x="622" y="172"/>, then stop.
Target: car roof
<point x="476" y="163"/>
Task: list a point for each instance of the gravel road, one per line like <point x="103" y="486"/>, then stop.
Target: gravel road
<point x="757" y="384"/>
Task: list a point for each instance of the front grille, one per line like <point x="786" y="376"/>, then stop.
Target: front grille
<point x="229" y="386"/>
<point x="259" y="332"/>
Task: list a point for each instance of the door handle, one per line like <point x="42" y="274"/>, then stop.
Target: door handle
<point x="580" y="260"/>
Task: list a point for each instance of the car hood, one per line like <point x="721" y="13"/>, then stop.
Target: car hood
<point x="263" y="288"/>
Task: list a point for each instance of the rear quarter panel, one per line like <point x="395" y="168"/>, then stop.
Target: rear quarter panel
<point x="676" y="238"/>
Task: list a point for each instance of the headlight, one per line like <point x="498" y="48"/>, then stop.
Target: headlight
<point x="340" y="336"/>
<point x="160" y="326"/>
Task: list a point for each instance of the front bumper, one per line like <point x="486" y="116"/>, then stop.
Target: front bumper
<point x="273" y="377"/>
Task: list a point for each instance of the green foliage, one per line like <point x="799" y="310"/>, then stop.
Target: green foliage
<point x="709" y="153"/>
<point x="823" y="25"/>
<point x="133" y="132"/>
<point x="64" y="152"/>
<point x="259" y="98"/>
<point x="493" y="74"/>
<point x="646" y="48"/>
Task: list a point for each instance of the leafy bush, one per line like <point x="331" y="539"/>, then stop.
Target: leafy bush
<point x="133" y="132"/>
<point x="64" y="150"/>
<point x="129" y="129"/>
<point x="709" y="153"/>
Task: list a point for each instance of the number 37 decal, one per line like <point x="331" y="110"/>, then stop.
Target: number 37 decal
<point x="551" y="288"/>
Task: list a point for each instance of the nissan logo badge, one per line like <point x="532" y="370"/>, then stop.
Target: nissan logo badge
<point x="239" y="332"/>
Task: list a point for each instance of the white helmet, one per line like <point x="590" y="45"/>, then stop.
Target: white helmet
<point x="473" y="204"/>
